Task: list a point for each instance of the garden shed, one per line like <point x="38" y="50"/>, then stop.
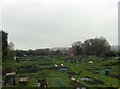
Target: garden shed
<point x="23" y="79"/>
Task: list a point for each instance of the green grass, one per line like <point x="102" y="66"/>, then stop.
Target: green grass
<point x="83" y="68"/>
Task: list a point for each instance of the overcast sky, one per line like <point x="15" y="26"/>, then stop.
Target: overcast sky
<point x="35" y="24"/>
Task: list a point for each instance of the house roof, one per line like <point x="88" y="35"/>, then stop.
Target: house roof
<point x="10" y="74"/>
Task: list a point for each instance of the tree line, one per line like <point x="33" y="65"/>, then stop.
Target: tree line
<point x="96" y="46"/>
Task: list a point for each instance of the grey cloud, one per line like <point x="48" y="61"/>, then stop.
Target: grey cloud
<point x="51" y="23"/>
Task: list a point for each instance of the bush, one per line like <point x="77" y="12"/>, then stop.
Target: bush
<point x="119" y="53"/>
<point x="110" y="53"/>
